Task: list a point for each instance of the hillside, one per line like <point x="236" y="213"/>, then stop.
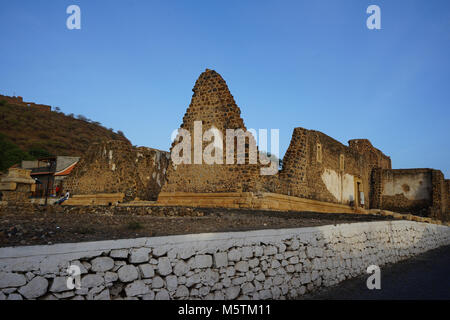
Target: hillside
<point x="27" y="132"/>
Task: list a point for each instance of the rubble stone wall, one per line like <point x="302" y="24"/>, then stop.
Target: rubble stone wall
<point x="19" y="101"/>
<point x="303" y="175"/>
<point x="420" y="191"/>
<point x="265" y="264"/>
<point x="320" y="168"/>
<point x="117" y="166"/>
<point x="213" y="105"/>
<point x="447" y="191"/>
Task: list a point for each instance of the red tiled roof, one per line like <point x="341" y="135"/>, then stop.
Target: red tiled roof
<point x="67" y="170"/>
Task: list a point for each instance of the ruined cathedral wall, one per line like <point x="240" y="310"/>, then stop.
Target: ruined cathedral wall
<point x="447" y="196"/>
<point x="118" y="167"/>
<point x="214" y="107"/>
<point x="320" y="168"/>
<point x="419" y="191"/>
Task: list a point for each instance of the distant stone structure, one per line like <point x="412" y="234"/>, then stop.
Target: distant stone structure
<point x="424" y="192"/>
<point x="118" y="167"/>
<point x="318" y="172"/>
<point x="17" y="186"/>
<point x="19" y="101"/>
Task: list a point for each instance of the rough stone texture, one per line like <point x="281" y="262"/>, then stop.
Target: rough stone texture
<point x="59" y="284"/>
<point x="265" y="264"/>
<point x="164" y="266"/>
<point x="8" y="279"/>
<point x="139" y="255"/>
<point x="220" y="259"/>
<point x="91" y="280"/>
<point x="128" y="273"/>
<point x="121" y="253"/>
<point x="136" y="288"/>
<point x="213" y="104"/>
<point x="302" y="174"/>
<point x="36" y="288"/>
<point x="101" y="264"/>
<point x="117" y="166"/>
<point x="315" y="167"/>
<point x="146" y="270"/>
<point x="423" y="192"/>
<point x="203" y="261"/>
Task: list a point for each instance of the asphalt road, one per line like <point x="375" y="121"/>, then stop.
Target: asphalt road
<point x="423" y="277"/>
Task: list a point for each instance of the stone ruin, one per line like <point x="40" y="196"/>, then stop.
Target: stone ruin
<point x="116" y="167"/>
<point x="18" y="101"/>
<point x="213" y="105"/>
<point x="17" y="186"/>
<point x="318" y="173"/>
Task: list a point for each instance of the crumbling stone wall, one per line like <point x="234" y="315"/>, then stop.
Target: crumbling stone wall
<point x="315" y="165"/>
<point x="439" y="200"/>
<point x="117" y="166"/>
<point x="19" y="101"/>
<point x="21" y="194"/>
<point x="447" y="192"/>
<point x="328" y="174"/>
<point x="419" y="191"/>
<point x="16" y="186"/>
<point x="213" y="104"/>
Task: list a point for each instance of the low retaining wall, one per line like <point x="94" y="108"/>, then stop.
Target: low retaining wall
<point x="250" y="200"/>
<point x="264" y="264"/>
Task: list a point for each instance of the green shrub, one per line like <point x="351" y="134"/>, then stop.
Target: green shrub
<point x="11" y="154"/>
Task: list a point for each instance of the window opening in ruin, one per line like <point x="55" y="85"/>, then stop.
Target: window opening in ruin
<point x="319" y="152"/>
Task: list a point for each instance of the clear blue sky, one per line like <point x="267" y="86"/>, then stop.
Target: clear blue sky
<point x="310" y="63"/>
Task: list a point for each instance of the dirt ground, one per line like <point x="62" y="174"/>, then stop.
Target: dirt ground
<point x="38" y="225"/>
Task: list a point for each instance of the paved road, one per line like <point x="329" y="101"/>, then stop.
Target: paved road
<point x="423" y="277"/>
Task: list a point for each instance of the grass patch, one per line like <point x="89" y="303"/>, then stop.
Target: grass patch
<point x="134" y="225"/>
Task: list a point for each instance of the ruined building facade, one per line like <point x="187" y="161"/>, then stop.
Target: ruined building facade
<point x="18" y="101"/>
<point x="318" y="172"/>
<point x="213" y="105"/>
<point x="118" y="167"/>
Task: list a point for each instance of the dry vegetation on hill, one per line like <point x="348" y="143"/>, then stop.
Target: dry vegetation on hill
<point x="39" y="133"/>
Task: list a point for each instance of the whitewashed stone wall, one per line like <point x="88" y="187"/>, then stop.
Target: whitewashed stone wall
<point x="265" y="264"/>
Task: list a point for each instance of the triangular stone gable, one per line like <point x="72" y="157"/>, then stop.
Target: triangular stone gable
<point x="213" y="105"/>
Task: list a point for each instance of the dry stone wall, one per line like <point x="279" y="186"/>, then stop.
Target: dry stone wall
<point x="266" y="264"/>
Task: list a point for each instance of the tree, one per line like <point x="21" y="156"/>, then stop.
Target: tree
<point x="10" y="153"/>
<point x="38" y="152"/>
<point x="81" y="117"/>
<point x="120" y="133"/>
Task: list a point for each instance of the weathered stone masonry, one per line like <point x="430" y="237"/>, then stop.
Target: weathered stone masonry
<point x="117" y="166"/>
<point x="420" y="191"/>
<point x="331" y="173"/>
<point x="213" y="105"/>
<point x="266" y="264"/>
<point x="318" y="173"/>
